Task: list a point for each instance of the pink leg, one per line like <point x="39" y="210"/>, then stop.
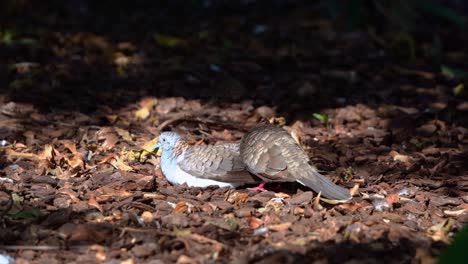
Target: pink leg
<point x="259" y="188"/>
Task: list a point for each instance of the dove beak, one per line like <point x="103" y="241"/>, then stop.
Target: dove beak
<point x="152" y="145"/>
<point x="157" y="146"/>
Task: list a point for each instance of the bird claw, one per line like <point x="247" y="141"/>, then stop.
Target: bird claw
<point x="259" y="188"/>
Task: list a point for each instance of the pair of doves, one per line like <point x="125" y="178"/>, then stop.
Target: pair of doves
<point x="266" y="152"/>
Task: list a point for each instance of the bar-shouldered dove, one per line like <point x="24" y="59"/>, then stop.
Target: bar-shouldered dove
<point x="203" y="165"/>
<point x="272" y="154"/>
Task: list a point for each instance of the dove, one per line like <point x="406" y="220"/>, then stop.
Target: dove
<point x="273" y="155"/>
<point x="202" y="165"/>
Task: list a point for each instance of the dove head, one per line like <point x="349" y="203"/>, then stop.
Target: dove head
<point x="167" y="140"/>
<point x="171" y="144"/>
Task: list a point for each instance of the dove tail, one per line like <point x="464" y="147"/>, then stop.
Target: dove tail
<point x="320" y="183"/>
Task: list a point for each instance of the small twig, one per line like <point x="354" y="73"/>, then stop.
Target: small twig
<point x="177" y="117"/>
<point x="145" y="230"/>
<point x="40" y="248"/>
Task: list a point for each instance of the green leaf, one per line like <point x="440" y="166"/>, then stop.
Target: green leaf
<point x="453" y="72"/>
<point x="458" y="90"/>
<point x="456" y="253"/>
<point x="26" y="214"/>
<point x="169" y="41"/>
<point x="443" y="11"/>
<point x="321" y="117"/>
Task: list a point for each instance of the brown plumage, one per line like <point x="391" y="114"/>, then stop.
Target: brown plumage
<point x="273" y="155"/>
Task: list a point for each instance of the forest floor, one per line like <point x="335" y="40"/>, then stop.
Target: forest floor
<point x="84" y="93"/>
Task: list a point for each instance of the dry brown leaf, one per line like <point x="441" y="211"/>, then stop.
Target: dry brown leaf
<point x="354" y="190"/>
<point x="392" y="199"/>
<point x="146" y="104"/>
<point x="47" y="153"/>
<point x="92" y="202"/>
<point x="110" y="140"/>
<point x="154" y="196"/>
<point x="107" y="191"/>
<point x="20" y="146"/>
<point x="148" y="147"/>
<point x="298" y="211"/>
<point x="254" y="222"/>
<point x="202" y="239"/>
<point x="124" y="134"/>
<point x="118" y="163"/>
<point x="440" y="231"/>
<point x="11" y="154"/>
<point x="142" y="113"/>
<point x="454" y="212"/>
<point x="351" y="206"/>
<point x="282" y="195"/>
<point x="107" y="159"/>
<point x="280" y="227"/>
<point x="183" y="259"/>
<point x="76" y="162"/>
<point x="407" y="160"/>
<point x="73" y="196"/>
<point x="180" y="208"/>
<point x="85" y="232"/>
<point x="68" y="144"/>
<point x="237" y="198"/>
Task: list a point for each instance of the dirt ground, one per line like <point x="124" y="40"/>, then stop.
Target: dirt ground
<point x="83" y="93"/>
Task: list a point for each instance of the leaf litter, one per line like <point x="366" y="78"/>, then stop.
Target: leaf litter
<point x="80" y="182"/>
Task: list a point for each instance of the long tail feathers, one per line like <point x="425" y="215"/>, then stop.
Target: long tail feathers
<point x="319" y="183"/>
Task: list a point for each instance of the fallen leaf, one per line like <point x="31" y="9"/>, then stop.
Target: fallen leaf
<point x="112" y="192"/>
<point x="354" y="190"/>
<point x="301" y="198"/>
<point x="119" y="163"/>
<point x="169" y="41"/>
<point x="407" y="160"/>
<point x="180" y="208"/>
<point x="237" y="198"/>
<point x="73" y="196"/>
<point x="455" y="212"/>
<point x="298" y="211"/>
<point x="351" y="206"/>
<point x="142" y="113"/>
<point x="149" y="147"/>
<point x="11" y="154"/>
<point x="107" y="159"/>
<point x="282" y="195"/>
<point x="146" y="105"/>
<point x="68" y="144"/>
<point x="440" y="231"/>
<point x="254" y="222"/>
<point x="124" y="134"/>
<point x="280" y="227"/>
<point x="92" y="202"/>
<point x="392" y="199"/>
<point x="76" y="162"/>
<point x="110" y="140"/>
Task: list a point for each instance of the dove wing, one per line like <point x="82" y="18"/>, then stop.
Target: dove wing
<point x="273" y="154"/>
<point x="216" y="162"/>
<point x="269" y="151"/>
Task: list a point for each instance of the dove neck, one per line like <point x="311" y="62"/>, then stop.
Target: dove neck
<point x="170" y="157"/>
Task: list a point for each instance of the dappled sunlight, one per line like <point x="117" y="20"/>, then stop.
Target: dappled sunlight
<point x="87" y="88"/>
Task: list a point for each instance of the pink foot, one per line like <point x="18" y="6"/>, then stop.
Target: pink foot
<point x="259" y="188"/>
